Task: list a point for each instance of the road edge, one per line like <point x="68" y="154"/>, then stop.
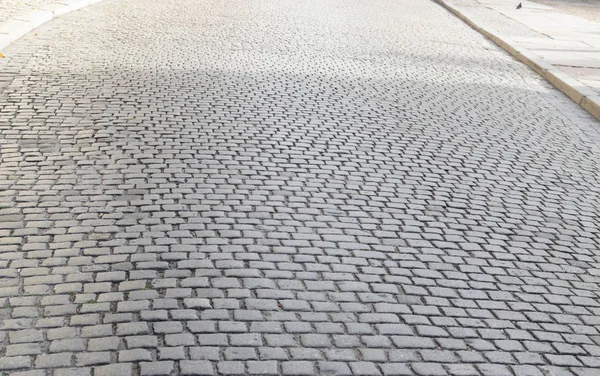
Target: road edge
<point x="15" y="28"/>
<point x="585" y="97"/>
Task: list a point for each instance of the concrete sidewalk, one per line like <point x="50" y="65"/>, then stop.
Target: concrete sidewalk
<point x="18" y="18"/>
<point x="563" y="48"/>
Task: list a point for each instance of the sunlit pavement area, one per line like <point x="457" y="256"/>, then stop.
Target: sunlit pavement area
<point x="332" y="187"/>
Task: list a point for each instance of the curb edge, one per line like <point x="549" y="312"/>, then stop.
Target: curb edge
<point x="16" y="28"/>
<point x="579" y="93"/>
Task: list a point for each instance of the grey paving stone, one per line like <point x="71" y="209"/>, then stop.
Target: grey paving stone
<point x="23" y="349"/>
<point x="103" y="344"/>
<point x="231" y="368"/>
<point x="297" y="368"/>
<point x="135" y="355"/>
<point x="139" y="342"/>
<point x="315" y="340"/>
<point x="25" y="335"/>
<point x="53" y="360"/>
<point x="185" y="339"/>
<point x="364" y="368"/>
<point x="174" y="353"/>
<point x="125" y="369"/>
<point x="15" y="362"/>
<point x="157" y="368"/>
<point x="196" y="367"/>
<point x="269" y="367"/>
<point x="92" y="358"/>
<point x="429" y="369"/>
<point x="527" y="370"/>
<point x="396" y="369"/>
<point x="462" y="369"/>
<point x="64" y="345"/>
<point x="79" y="371"/>
<point x="494" y="369"/>
<point x="335" y="368"/>
<point x="251" y="339"/>
<point x="204" y="353"/>
<point x="134" y="328"/>
<point x="240" y="353"/>
<point x="275" y="353"/>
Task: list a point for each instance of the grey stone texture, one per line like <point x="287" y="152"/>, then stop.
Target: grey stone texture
<point x="332" y="187"/>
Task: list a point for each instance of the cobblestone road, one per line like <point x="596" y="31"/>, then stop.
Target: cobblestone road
<point x="326" y="187"/>
<point x="10" y="9"/>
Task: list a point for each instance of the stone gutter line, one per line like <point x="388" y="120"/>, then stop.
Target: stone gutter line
<point x="14" y="29"/>
<point x="578" y="92"/>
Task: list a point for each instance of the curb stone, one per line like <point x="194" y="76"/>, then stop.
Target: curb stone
<point x="14" y="29"/>
<point x="585" y="97"/>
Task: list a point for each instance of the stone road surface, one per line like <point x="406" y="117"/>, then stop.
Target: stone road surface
<point x="295" y="187"/>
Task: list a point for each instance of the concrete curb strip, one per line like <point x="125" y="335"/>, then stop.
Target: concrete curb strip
<point x="578" y="92"/>
<point x="14" y="29"/>
<point x="592" y="105"/>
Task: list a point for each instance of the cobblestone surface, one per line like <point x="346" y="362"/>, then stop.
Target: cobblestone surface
<point x="292" y="187"/>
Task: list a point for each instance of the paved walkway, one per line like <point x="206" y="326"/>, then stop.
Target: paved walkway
<point x="10" y="9"/>
<point x="587" y="9"/>
<point x="326" y="187"/>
